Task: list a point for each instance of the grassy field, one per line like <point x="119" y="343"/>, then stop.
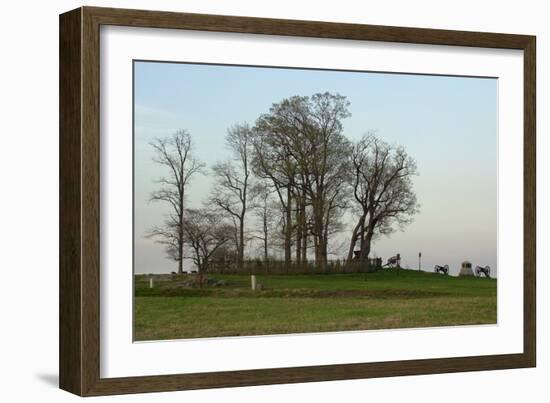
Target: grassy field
<point x="311" y="303"/>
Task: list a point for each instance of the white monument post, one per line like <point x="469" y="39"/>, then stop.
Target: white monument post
<point x="253" y="282"/>
<point x="151" y="282"/>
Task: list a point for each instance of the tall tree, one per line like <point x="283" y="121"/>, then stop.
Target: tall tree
<point x="305" y="149"/>
<point x="175" y="154"/>
<point x="204" y="232"/>
<point x="382" y="190"/>
<point x="232" y="189"/>
<point x="273" y="163"/>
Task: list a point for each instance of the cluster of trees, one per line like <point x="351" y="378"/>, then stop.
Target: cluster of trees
<point x="295" y="176"/>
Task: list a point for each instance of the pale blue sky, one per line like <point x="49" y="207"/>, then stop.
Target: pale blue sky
<point x="448" y="124"/>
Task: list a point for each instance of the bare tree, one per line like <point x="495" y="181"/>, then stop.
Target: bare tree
<point x="382" y="190"/>
<point x="175" y="154"/>
<point x="204" y="232"/>
<point x="232" y="189"/>
<point x="267" y="214"/>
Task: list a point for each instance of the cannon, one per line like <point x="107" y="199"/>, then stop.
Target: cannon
<point x="394" y="261"/>
<point x="442" y="269"/>
<point x="483" y="270"/>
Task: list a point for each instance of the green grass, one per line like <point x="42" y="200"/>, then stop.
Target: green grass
<point x="311" y="303"/>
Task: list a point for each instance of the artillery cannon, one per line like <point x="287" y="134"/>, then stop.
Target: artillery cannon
<point x="394" y="261"/>
<point x="483" y="270"/>
<point x="442" y="269"/>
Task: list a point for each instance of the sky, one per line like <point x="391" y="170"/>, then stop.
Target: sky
<point x="448" y="124"/>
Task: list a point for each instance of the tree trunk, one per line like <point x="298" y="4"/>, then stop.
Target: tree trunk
<point x="200" y="277"/>
<point x="316" y="246"/>
<point x="320" y="245"/>
<point x="298" y="232"/>
<point x="365" y="246"/>
<point x="265" y="238"/>
<point x="288" y="228"/>
<point x="181" y="194"/>
<point x="362" y="235"/>
<point x="353" y="242"/>
<point x="240" y="251"/>
<point x="323" y="252"/>
<point x="179" y="256"/>
<point x="304" y="244"/>
<point x="357" y="235"/>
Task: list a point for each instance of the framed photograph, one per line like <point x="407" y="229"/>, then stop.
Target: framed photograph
<point x="248" y="201"/>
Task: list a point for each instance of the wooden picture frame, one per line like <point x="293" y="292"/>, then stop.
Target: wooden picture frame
<point x="79" y="201"/>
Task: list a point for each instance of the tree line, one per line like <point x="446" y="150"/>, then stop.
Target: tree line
<point x="293" y="174"/>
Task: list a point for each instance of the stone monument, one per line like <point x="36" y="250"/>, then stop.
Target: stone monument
<point x="466" y="269"/>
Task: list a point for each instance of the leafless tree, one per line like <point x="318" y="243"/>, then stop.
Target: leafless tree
<point x="231" y="192"/>
<point x="382" y="190"/>
<point x="204" y="232"/>
<point x="267" y="213"/>
<point x="175" y="154"/>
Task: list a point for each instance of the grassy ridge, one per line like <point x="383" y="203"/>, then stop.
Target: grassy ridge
<point x="312" y="303"/>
